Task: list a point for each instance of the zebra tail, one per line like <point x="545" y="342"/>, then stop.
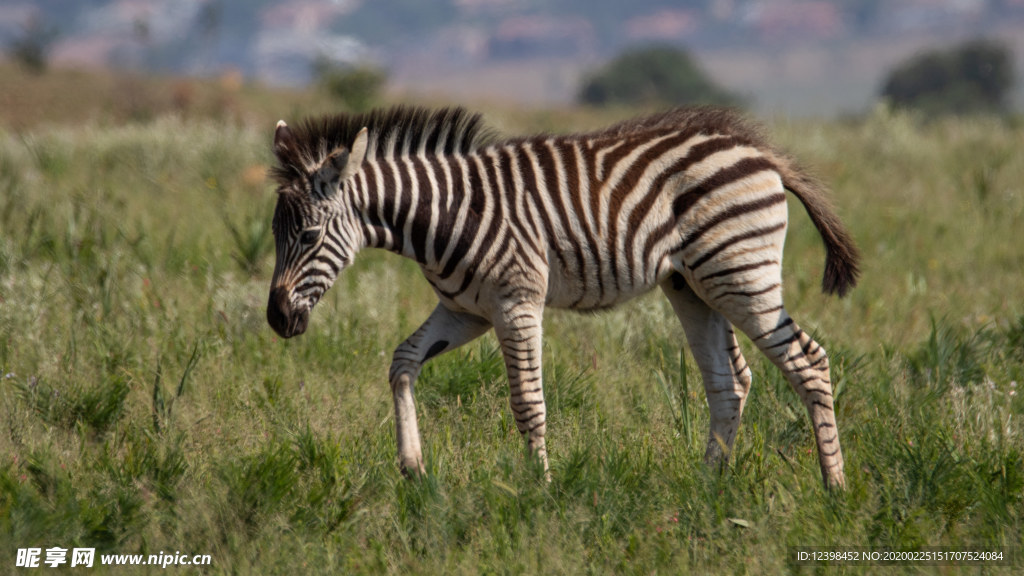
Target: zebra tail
<point x="841" y="255"/>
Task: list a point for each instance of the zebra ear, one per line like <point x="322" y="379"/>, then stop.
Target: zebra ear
<point x="356" y="156"/>
<point x="341" y="164"/>
<point x="284" y="142"/>
<point x="331" y="170"/>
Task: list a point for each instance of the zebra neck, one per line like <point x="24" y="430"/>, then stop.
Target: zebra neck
<point x="407" y="205"/>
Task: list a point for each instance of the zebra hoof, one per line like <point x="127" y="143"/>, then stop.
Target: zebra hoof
<point x="413" y="469"/>
<point x="835" y="482"/>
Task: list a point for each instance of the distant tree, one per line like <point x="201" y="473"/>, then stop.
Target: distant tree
<point x="973" y="77"/>
<point x="864" y="14"/>
<point x="396" y="21"/>
<point x="358" y="87"/>
<point x="31" y="50"/>
<point x="655" y="75"/>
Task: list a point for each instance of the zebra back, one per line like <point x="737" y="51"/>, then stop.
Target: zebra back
<point x="842" y="257"/>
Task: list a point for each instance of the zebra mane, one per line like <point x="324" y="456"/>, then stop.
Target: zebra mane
<point x="700" y="119"/>
<point x="395" y="131"/>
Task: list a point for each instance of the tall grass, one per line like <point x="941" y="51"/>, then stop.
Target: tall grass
<point x="145" y="405"/>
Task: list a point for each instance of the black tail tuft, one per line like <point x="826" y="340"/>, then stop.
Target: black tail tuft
<point x="841" y="255"/>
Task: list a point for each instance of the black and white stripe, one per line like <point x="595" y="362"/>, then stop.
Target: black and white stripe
<point x="692" y="201"/>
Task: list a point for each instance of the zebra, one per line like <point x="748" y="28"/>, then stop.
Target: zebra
<point x="690" y="200"/>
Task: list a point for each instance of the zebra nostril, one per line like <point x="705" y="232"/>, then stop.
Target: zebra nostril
<point x="299" y="323"/>
<point x="279" y="311"/>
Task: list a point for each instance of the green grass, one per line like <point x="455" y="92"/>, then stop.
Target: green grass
<point x="145" y="406"/>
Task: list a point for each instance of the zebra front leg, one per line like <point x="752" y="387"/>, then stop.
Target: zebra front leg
<point x="519" y="334"/>
<point x="724" y="370"/>
<point x="444" y="330"/>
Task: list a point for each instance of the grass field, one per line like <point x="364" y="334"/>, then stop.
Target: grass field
<point x="146" y="407"/>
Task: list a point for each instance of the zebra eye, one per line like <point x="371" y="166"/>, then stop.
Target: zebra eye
<point x="309" y="236"/>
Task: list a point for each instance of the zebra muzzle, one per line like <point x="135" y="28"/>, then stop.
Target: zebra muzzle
<point x="284" y="318"/>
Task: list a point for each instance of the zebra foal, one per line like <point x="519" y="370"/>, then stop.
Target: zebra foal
<point x="691" y="201"/>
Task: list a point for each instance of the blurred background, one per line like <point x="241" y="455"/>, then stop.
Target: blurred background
<point x="145" y="404"/>
<point x="802" y="58"/>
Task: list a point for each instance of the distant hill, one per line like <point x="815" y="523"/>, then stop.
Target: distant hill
<point x="64" y="96"/>
<point x="421" y="41"/>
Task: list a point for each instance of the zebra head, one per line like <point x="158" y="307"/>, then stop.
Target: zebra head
<point x="314" y="232"/>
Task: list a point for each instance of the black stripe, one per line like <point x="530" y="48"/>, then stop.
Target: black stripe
<point x="333" y="264"/>
<point x="742" y="169"/>
<point x="405" y="207"/>
<point x="371" y="218"/>
<point x="332" y="250"/>
<point x="733" y="212"/>
<point x="530" y="183"/>
<point x="546" y="172"/>
<point x="627" y="185"/>
<point x="743" y="268"/>
<point x="586" y="189"/>
<point x="509" y="249"/>
<point x="779" y="326"/>
<point x="313" y="276"/>
<point x="735" y="239"/>
<point x="435" y="349"/>
<point x="747" y="293"/>
<point x="631" y="176"/>
<point x="537" y="425"/>
<point x="391" y="209"/>
<point x="660" y="233"/>
<point x="482" y="183"/>
<point x="811" y="378"/>
<point x="430" y="142"/>
<point x="504" y="162"/>
<point x="571" y="162"/>
<point x="784" y="342"/>
<point x="442" y="220"/>
<point x="464" y="238"/>
<point x="641" y="211"/>
<point x="525" y="408"/>
<point x="444" y="228"/>
<point x="613" y="157"/>
<point x="421" y="212"/>
<point x="803" y="368"/>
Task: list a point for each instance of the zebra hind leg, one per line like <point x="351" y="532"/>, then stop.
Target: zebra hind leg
<point x="752" y="300"/>
<point x="724" y="370"/>
<point x="444" y="330"/>
<point x="805" y="364"/>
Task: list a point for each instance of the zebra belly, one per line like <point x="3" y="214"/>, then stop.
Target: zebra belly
<point x="584" y="285"/>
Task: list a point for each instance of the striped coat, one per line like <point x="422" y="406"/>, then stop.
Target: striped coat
<point x="691" y="201"/>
